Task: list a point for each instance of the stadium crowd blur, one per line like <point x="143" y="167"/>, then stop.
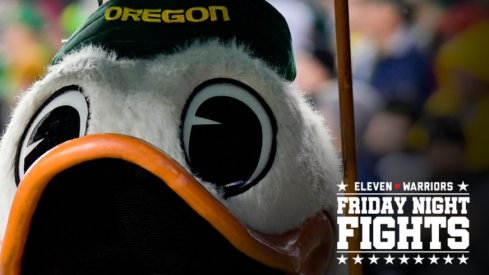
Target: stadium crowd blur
<point x="421" y="87"/>
<point x="421" y="95"/>
<point x="421" y="79"/>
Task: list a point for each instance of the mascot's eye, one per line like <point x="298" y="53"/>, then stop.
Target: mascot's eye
<point x="228" y="134"/>
<point x="62" y="117"/>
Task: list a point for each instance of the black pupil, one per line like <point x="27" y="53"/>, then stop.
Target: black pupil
<point x="60" y="125"/>
<point x="228" y="153"/>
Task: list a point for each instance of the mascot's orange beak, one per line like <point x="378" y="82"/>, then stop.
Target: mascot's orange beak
<point x="302" y="251"/>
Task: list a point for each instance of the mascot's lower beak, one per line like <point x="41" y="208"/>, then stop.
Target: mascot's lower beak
<point x="112" y="204"/>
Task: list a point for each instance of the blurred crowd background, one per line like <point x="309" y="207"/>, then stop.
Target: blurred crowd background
<point x="421" y="81"/>
<point x="421" y="96"/>
<point x="31" y="32"/>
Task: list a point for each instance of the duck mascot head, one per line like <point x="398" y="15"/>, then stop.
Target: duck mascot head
<point x="167" y="138"/>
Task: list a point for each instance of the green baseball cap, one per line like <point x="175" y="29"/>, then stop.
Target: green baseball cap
<point x="145" y="28"/>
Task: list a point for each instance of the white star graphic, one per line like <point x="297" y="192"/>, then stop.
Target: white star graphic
<point x="373" y="259"/>
<point x="389" y="259"/>
<point x="342" y="186"/>
<point x="448" y="259"/>
<point x="404" y="259"/>
<point x="358" y="259"/>
<point x="434" y="260"/>
<point x="342" y="259"/>
<point x="463" y="260"/>
<point x="419" y="260"/>
<point x="463" y="186"/>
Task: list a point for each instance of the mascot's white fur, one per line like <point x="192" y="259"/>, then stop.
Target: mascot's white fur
<point x="302" y="179"/>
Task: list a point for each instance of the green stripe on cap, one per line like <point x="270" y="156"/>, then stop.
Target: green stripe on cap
<point x="145" y="28"/>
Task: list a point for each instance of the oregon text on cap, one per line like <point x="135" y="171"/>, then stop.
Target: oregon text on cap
<point x="193" y="15"/>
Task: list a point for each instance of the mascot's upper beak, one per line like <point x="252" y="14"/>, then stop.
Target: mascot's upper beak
<point x="302" y="251"/>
